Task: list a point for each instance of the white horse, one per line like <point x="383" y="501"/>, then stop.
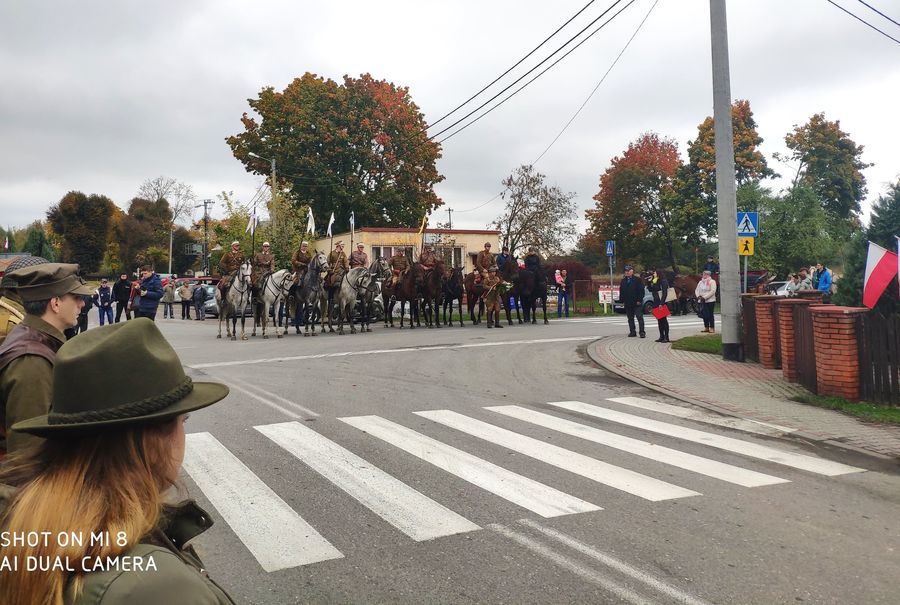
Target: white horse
<point x="235" y="302"/>
<point x="275" y="287"/>
<point x="354" y="286"/>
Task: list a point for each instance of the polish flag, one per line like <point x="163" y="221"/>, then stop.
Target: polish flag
<point x="881" y="267"/>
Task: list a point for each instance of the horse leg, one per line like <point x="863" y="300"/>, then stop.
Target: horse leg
<point x="221" y="315"/>
<point x="403" y="312"/>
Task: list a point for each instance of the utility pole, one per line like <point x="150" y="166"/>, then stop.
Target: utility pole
<point x="206" y="204"/>
<point x="275" y="205"/>
<point x="729" y="267"/>
<point x="450" y="218"/>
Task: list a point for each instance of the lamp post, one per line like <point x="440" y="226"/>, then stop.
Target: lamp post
<point x="274" y="212"/>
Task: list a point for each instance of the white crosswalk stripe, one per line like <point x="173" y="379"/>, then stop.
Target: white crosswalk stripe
<point x="697" y="464"/>
<point x="416" y="515"/>
<point x="749" y="426"/>
<point x="602" y="472"/>
<point x="738" y="446"/>
<point x="272" y="531"/>
<point x="527" y="493"/>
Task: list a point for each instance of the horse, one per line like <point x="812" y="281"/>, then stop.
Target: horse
<point x="352" y="287"/>
<point x="432" y="290"/>
<point x="474" y="293"/>
<point x="274" y="288"/>
<point x="407" y="290"/>
<point x="311" y="295"/>
<point x="454" y="289"/>
<point x="236" y="301"/>
<point x="381" y="271"/>
<point x="532" y="286"/>
<point x="511" y="274"/>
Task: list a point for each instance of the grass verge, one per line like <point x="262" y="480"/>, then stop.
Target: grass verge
<point x="863" y="410"/>
<point x="711" y="343"/>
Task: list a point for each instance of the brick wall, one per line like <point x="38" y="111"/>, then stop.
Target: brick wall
<point x="784" y="312"/>
<point x="837" y="353"/>
<point x="767" y="332"/>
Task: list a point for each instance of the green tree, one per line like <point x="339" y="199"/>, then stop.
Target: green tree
<point x="83" y="222"/>
<point x="360" y="146"/>
<point x="535" y="214"/>
<point x="37" y="243"/>
<point x="883" y="226"/>
<point x="696" y="180"/>
<point x="145" y="225"/>
<point x="9" y="238"/>
<point x="830" y="163"/>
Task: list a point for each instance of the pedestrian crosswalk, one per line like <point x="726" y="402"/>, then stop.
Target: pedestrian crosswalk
<point x="279" y="538"/>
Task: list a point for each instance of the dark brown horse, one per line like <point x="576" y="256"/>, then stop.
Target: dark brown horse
<point x="432" y="292"/>
<point x="511" y="274"/>
<point x="407" y="290"/>
<point x="474" y="292"/>
<point x="454" y="289"/>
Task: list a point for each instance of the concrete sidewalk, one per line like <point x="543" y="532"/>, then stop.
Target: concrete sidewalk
<point x="746" y="390"/>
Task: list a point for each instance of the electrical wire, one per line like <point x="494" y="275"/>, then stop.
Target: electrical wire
<point x="861" y="20"/>
<point x="519" y="62"/>
<point x="523" y="76"/>
<point x="524" y="86"/>
<point x="863" y="2"/>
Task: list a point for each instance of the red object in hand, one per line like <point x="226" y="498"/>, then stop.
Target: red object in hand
<point x="661" y="312"/>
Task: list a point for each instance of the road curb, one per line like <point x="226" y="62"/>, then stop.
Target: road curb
<point x="715" y="408"/>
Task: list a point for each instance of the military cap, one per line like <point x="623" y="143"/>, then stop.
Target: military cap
<point x="20" y="262"/>
<point x="147" y="385"/>
<point x="266" y="244"/>
<point x="43" y="282"/>
<point x="339" y="243"/>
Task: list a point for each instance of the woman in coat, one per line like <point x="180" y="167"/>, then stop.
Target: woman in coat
<point x="100" y="476"/>
<point x="706" y="294"/>
<point x="659" y="287"/>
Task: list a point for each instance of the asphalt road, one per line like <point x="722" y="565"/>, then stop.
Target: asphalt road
<point x="327" y="486"/>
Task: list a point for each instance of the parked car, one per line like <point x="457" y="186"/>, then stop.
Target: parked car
<point x="212" y="309"/>
<point x="618" y="307"/>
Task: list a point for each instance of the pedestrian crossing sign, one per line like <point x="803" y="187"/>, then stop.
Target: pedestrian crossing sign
<point x="748" y="224"/>
<point x="745" y="246"/>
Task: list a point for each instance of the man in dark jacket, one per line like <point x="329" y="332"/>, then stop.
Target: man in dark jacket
<point x="631" y="293"/>
<point x="711" y="265"/>
<point x="103" y="300"/>
<point x="121" y="292"/>
<point x="151" y="292"/>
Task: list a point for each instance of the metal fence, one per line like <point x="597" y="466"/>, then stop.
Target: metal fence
<point x="879" y="358"/>
<point x="804" y="347"/>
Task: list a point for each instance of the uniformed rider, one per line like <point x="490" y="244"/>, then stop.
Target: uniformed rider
<point x="337" y="267"/>
<point x="300" y="261"/>
<point x="229" y="265"/>
<point x="263" y="265"/>
<point x="485" y="260"/>
<point x="399" y="266"/>
<point x="358" y="258"/>
<point x="428" y="259"/>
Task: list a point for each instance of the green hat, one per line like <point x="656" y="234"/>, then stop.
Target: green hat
<point x="143" y="382"/>
<point x="43" y="282"/>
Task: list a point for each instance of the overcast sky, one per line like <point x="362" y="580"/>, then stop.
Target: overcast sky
<point x="98" y="96"/>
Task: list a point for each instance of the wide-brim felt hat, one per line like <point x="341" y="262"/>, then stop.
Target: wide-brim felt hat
<point x="120" y="375"/>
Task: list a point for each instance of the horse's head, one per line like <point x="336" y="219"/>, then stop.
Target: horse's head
<point x="243" y="275"/>
<point x="457" y="275"/>
<point x="320" y="262"/>
<point x="380" y="268"/>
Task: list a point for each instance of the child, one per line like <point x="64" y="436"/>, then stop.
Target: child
<point x="559" y="278"/>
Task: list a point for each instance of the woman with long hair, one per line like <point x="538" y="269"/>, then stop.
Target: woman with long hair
<point x="658" y="286"/>
<point x="85" y="511"/>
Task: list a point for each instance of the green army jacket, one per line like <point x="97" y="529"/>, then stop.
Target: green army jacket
<point x="178" y="577"/>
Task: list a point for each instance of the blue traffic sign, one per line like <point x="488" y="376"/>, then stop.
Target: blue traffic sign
<point x="748" y="224"/>
<point x="610" y="247"/>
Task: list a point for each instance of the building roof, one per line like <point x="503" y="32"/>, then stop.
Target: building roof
<point x="427" y="230"/>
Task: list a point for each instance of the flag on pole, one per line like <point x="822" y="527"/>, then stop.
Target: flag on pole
<point x="310" y="223"/>
<point x="352" y="225"/>
<point x="6" y="243"/>
<point x="897" y="237"/>
<point x="330" y="223"/>
<point x="881" y="267"/>
<point x="424" y="222"/>
<point x="251" y="224"/>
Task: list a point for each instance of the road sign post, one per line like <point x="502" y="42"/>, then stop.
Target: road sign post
<point x="610" y="254"/>
<point x="745" y="248"/>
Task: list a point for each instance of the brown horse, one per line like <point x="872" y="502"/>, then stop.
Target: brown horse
<point x="511" y="274"/>
<point x="432" y="292"/>
<point x="407" y="290"/>
<point x="474" y="292"/>
<point x="454" y="289"/>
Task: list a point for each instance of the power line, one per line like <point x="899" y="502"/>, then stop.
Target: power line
<point x="619" y="56"/>
<point x="523" y="76"/>
<point x="548" y="68"/>
<point x="863" y="2"/>
<point x="861" y="20"/>
<point x="519" y="62"/>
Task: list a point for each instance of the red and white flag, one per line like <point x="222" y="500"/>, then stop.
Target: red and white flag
<point x="6" y="243"/>
<point x="881" y="267"/>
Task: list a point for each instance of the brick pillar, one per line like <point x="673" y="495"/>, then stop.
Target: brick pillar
<point x="815" y="295"/>
<point x="837" y="352"/>
<point x="767" y="332"/>
<point x="748" y="326"/>
<point x="784" y="312"/>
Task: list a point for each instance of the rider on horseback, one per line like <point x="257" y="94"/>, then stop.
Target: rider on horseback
<point x="485" y="260"/>
<point x="338" y="266"/>
<point x="533" y="263"/>
<point x="300" y="261"/>
<point x="358" y="258"/>
<point x="428" y="259"/>
<point x="399" y="266"/>
<point x="263" y="265"/>
<point x="229" y="265"/>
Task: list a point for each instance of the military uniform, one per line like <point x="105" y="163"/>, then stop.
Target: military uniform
<point x="11" y="314"/>
<point x="428" y="260"/>
<point x="492" y="298"/>
<point x="484" y="261"/>
<point x="263" y="264"/>
<point x="299" y="263"/>
<point x="358" y="259"/>
<point x="399" y="266"/>
<point x="229" y="264"/>
<point x="337" y="261"/>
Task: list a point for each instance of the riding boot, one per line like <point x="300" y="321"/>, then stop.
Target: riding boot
<point x="490" y="322"/>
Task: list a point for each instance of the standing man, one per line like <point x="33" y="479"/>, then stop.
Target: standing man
<point x="337" y="267"/>
<point x="822" y="281"/>
<point x="229" y="264"/>
<point x="300" y="261"/>
<point x="103" y="298"/>
<point x="711" y="265"/>
<point x="805" y="282"/>
<point x="485" y="260"/>
<point x="358" y="258"/>
<point x="52" y="295"/>
<point x="199" y="298"/>
<point x="631" y="293"/>
<point x="168" y="299"/>
<point x="121" y="293"/>
<point x="185" y="294"/>
<point x="491" y="298"/>
<point x="564" y="294"/>
<point x="151" y="291"/>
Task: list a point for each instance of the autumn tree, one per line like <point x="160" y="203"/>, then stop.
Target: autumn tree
<point x="37" y="243"/>
<point x="696" y="180"/>
<point x="830" y="162"/>
<point x="535" y="214"/>
<point x="637" y="205"/>
<point x="180" y="198"/>
<point x="143" y="231"/>
<point x="360" y="146"/>
<point x="83" y="222"/>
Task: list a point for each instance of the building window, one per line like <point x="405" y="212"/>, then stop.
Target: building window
<point x="451" y="255"/>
